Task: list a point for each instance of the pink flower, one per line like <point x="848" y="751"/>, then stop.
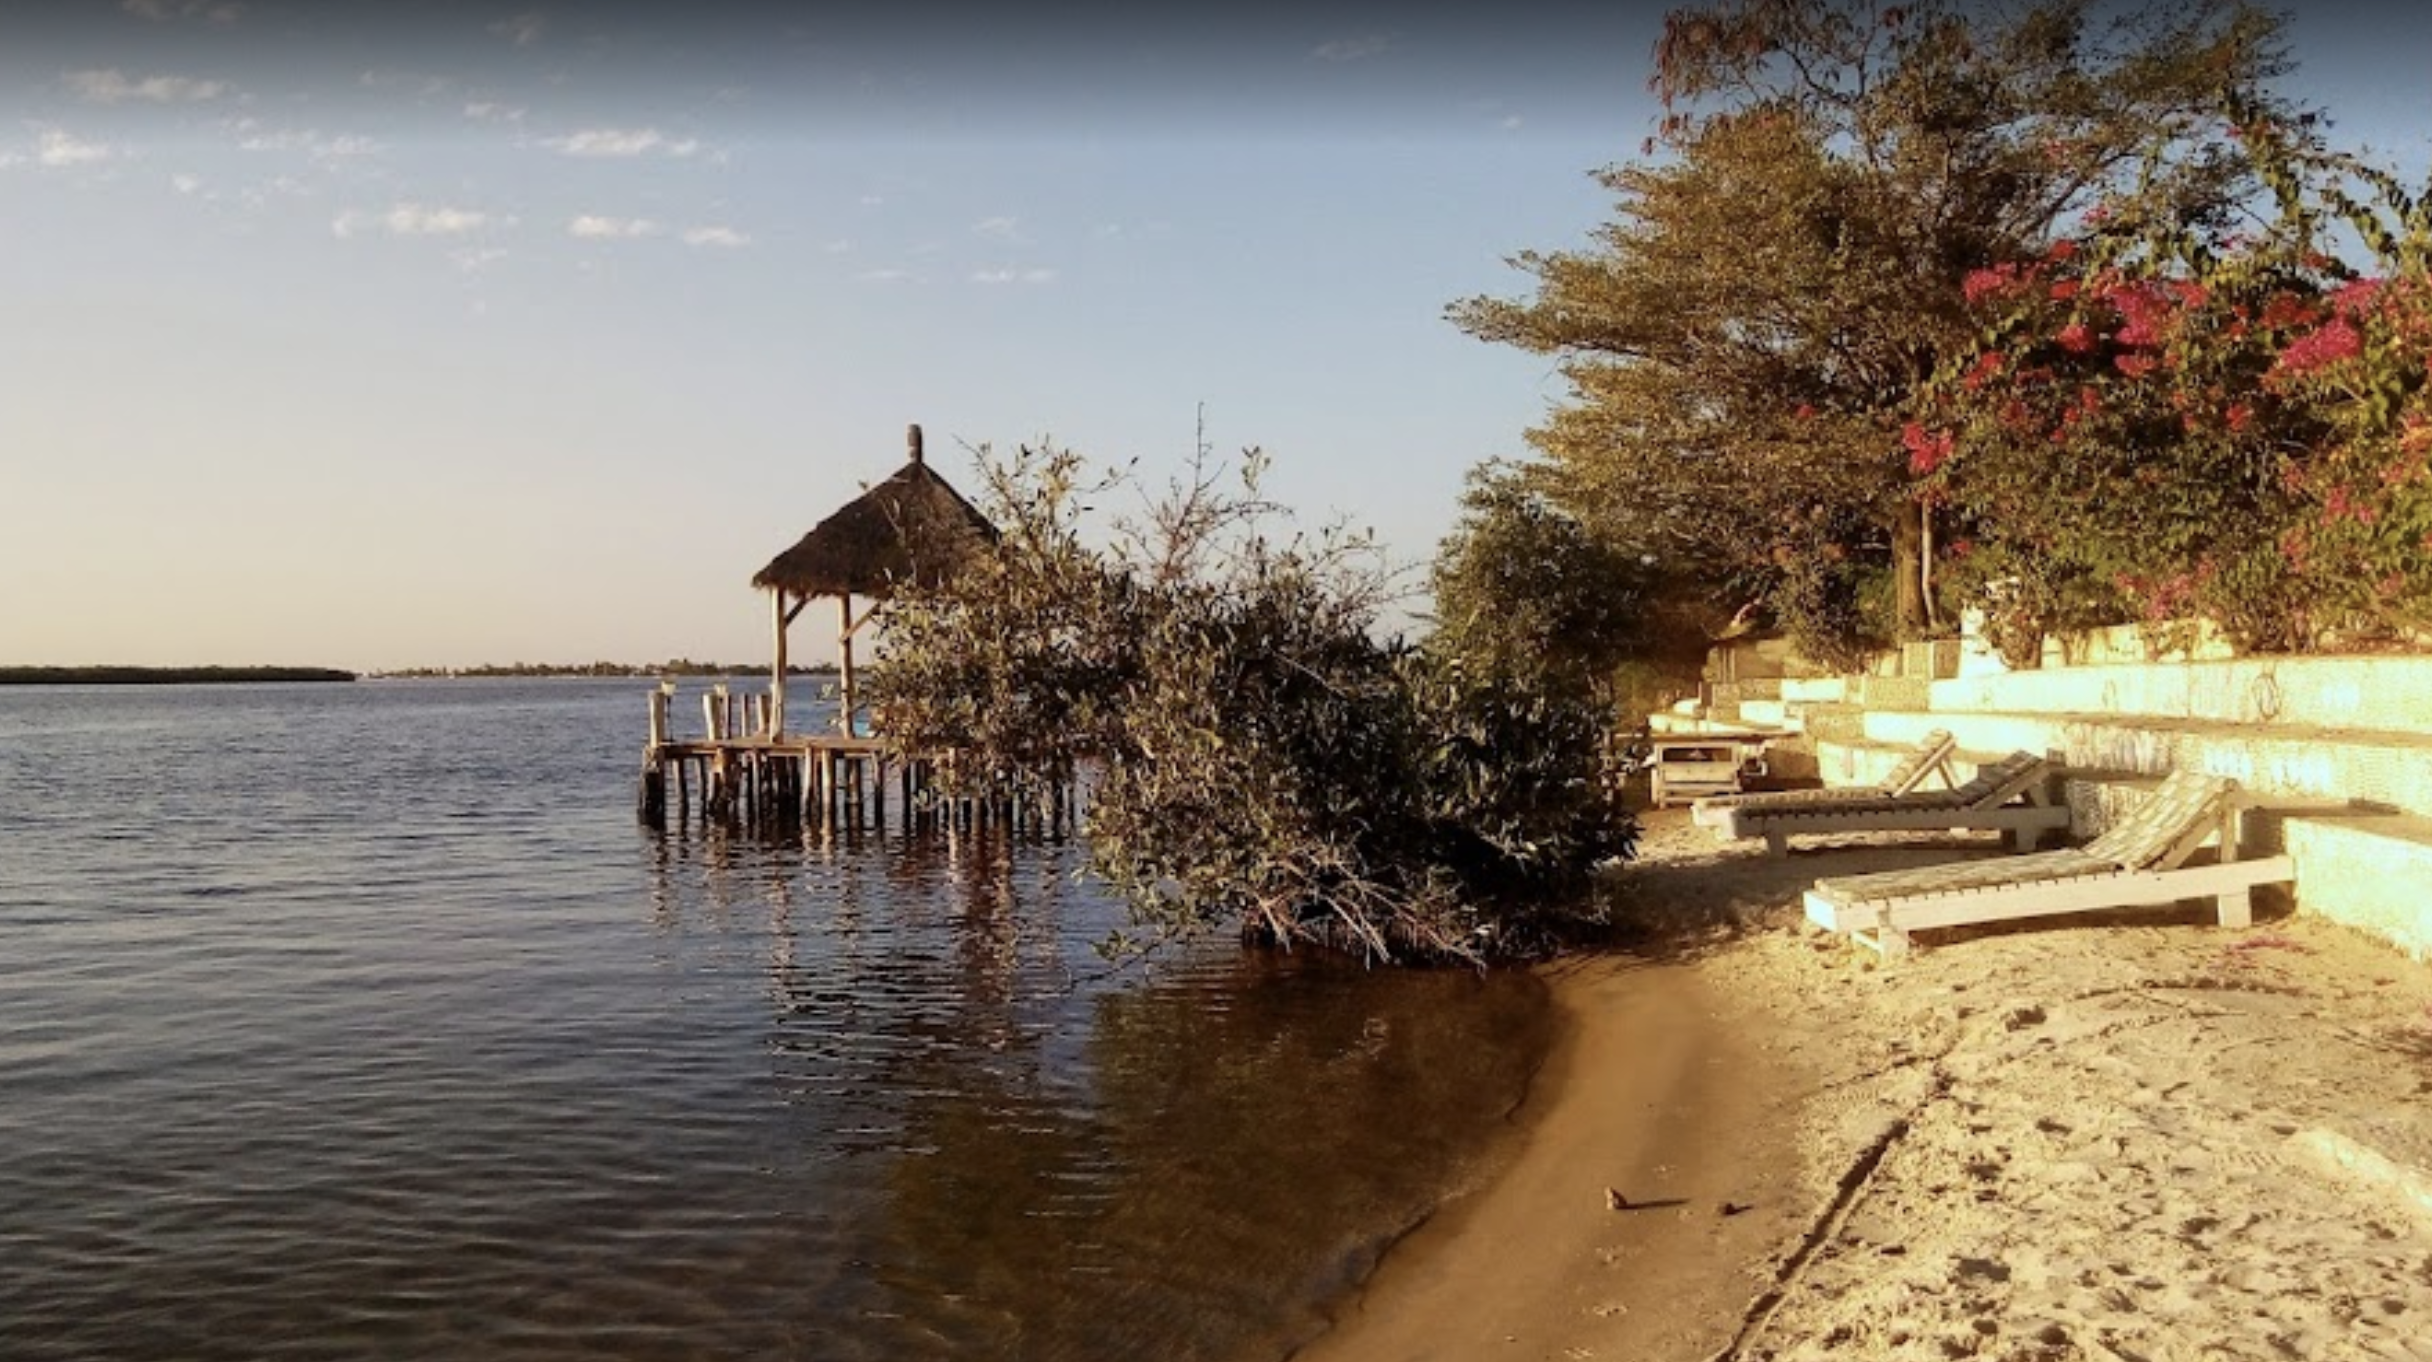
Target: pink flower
<point x="2325" y="345"/>
<point x="2075" y="338"/>
<point x="2355" y="297"/>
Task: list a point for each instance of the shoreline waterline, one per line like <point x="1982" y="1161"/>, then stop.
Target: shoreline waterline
<point x="1653" y="1167"/>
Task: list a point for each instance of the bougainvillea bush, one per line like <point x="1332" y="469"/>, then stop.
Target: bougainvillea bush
<point x="2168" y="423"/>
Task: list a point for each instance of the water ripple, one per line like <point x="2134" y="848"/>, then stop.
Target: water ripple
<point x="360" y="1021"/>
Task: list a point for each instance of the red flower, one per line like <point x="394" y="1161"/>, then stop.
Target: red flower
<point x="2240" y="415"/>
<point x="1806" y="411"/>
<point x="2075" y="338"/>
<point x="2143" y="309"/>
<point x="1926" y="449"/>
<point x="2135" y="366"/>
<point x="1987" y="283"/>
<point x="2286" y="310"/>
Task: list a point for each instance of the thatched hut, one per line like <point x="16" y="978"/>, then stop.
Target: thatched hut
<point x="912" y="528"/>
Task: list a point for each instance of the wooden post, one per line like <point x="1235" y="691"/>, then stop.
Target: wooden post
<point x="776" y="677"/>
<point x="844" y="666"/>
<point x="653" y="796"/>
<point x="658" y="715"/>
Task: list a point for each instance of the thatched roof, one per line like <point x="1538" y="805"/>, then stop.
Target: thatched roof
<point x="914" y="527"/>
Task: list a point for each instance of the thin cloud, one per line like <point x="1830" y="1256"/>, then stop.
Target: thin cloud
<point x="331" y="148"/>
<point x="1001" y="228"/>
<point x="593" y="227"/>
<point x="523" y="30"/>
<point x="57" y="150"/>
<point x="423" y="83"/>
<point x="622" y="142"/>
<point x="1353" y="49"/>
<point x="491" y="111"/>
<point x="186" y="184"/>
<point x="1035" y="276"/>
<point x="412" y="219"/>
<point x="110" y="85"/>
<point x="726" y="237"/>
<point x="170" y="11"/>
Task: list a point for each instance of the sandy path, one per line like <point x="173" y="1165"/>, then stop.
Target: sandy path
<point x="2139" y="1139"/>
<point x="1646" y="1095"/>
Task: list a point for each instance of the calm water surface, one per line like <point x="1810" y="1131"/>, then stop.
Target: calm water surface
<point x="346" y="1021"/>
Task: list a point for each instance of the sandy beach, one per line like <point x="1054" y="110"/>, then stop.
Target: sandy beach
<point x="2141" y="1137"/>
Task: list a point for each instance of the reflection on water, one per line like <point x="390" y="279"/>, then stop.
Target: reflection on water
<point x="371" y="1026"/>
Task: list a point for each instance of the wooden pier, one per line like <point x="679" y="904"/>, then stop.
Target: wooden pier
<point x="747" y="768"/>
<point x="743" y="772"/>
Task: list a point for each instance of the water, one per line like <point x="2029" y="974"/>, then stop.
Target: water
<point x="347" y="1021"/>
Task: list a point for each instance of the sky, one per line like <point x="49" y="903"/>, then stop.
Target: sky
<point x="379" y="336"/>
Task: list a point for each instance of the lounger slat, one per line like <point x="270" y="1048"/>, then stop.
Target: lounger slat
<point x="2069" y="894"/>
<point x="1932" y="753"/>
<point x="1880" y="910"/>
<point x="1983" y="803"/>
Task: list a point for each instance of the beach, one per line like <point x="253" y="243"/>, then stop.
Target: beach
<point x="2131" y="1136"/>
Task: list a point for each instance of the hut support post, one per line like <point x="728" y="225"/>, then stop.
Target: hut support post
<point x="844" y="666"/>
<point x="776" y="677"/>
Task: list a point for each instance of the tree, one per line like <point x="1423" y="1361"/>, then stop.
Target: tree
<point x="2171" y="422"/>
<point x="1263" y="758"/>
<point x="1522" y="586"/>
<point x="1747" y="338"/>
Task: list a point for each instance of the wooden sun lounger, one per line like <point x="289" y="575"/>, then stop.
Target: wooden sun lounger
<point x="1984" y="804"/>
<point x="1931" y="757"/>
<point x="2141" y="861"/>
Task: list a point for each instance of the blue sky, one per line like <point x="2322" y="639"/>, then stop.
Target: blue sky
<point x="377" y="336"/>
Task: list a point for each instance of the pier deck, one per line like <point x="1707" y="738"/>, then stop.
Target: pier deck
<point x="743" y="771"/>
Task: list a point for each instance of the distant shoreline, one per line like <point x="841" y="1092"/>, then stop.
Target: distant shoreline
<point x="163" y="676"/>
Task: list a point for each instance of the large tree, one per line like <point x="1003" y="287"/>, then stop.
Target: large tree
<point x="1748" y="336"/>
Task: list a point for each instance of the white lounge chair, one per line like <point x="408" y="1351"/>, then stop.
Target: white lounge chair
<point x="2141" y="860"/>
<point x="1984" y="804"/>
<point x="1931" y="757"/>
